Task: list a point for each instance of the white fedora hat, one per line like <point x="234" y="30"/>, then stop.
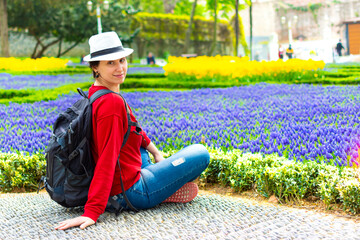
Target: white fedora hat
<point x="106" y="46"/>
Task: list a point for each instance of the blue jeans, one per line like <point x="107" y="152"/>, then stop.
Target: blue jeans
<point x="160" y="180"/>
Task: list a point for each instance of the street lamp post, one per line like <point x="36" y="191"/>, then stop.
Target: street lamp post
<point x="289" y="25"/>
<point x="98" y="12"/>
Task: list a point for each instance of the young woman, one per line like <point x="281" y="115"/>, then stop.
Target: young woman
<point x="146" y="184"/>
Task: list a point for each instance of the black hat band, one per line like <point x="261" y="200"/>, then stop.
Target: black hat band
<point x="107" y="51"/>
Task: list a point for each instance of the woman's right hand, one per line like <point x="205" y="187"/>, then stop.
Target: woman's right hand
<point x="83" y="222"/>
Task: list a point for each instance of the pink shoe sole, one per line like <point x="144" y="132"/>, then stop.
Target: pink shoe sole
<point x="185" y="194"/>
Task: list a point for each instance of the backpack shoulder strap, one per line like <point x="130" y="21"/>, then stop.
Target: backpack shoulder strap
<point x="126" y="136"/>
<point x="81" y="92"/>
<point x="98" y="94"/>
<point x="102" y="92"/>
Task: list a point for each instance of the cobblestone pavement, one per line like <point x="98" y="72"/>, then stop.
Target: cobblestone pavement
<point x="209" y="216"/>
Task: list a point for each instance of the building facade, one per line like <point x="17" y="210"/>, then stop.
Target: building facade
<point x="312" y="27"/>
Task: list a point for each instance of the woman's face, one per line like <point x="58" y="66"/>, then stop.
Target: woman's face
<point x="112" y="72"/>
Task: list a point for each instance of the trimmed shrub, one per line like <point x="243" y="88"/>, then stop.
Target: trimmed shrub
<point x="21" y="172"/>
<point x="349" y="190"/>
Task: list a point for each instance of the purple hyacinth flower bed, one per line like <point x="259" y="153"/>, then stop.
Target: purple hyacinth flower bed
<point x="8" y="81"/>
<point x="137" y="70"/>
<point x="301" y="122"/>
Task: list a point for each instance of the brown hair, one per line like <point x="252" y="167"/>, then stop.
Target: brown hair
<point x="92" y="65"/>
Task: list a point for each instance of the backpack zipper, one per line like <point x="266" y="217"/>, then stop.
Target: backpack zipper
<point x="70" y="131"/>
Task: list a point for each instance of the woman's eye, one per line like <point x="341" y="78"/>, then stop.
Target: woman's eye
<point x="122" y="60"/>
<point x="110" y="62"/>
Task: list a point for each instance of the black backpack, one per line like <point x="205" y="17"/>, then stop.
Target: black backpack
<point x="69" y="162"/>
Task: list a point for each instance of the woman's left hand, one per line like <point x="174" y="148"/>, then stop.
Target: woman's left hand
<point x="83" y="222"/>
<point x="155" y="152"/>
<point x="158" y="158"/>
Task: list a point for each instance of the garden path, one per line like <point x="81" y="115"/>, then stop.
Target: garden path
<point x="209" y="216"/>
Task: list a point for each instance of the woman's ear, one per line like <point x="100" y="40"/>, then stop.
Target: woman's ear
<point x="95" y="72"/>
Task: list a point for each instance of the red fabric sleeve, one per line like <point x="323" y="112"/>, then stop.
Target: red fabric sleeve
<point x="145" y="141"/>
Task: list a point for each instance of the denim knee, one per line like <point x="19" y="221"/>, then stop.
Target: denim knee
<point x="202" y="153"/>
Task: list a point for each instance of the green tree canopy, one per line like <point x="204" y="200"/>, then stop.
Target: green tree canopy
<point x="66" y="20"/>
<point x="184" y="7"/>
<point x="153" y="6"/>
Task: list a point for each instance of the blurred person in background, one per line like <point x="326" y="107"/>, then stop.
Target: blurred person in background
<point x="150" y="59"/>
<point x="339" y="48"/>
<point x="281" y="52"/>
<point x="290" y="52"/>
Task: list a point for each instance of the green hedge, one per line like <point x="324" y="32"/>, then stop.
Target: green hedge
<point x="339" y="74"/>
<point x="287" y="180"/>
<point x="334" y="81"/>
<point x="156" y="26"/>
<point x="30" y="96"/>
<point x="21" y="172"/>
<point x="268" y="175"/>
<point x="352" y="65"/>
<point x="309" y="77"/>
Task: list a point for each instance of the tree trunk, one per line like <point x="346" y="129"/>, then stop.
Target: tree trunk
<point x="40" y="53"/>
<point x="189" y="30"/>
<point x="140" y="46"/>
<point x="131" y="55"/>
<point x="35" y="48"/>
<point x="68" y="49"/>
<point x="213" y="45"/>
<point x="236" y="28"/>
<point x="169" y="6"/>
<point x="59" y="50"/>
<point x="251" y="30"/>
<point x="4" y="32"/>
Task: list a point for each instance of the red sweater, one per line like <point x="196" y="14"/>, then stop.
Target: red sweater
<point x="109" y="127"/>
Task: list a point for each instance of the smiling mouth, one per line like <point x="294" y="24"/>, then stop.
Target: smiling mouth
<point x="119" y="75"/>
